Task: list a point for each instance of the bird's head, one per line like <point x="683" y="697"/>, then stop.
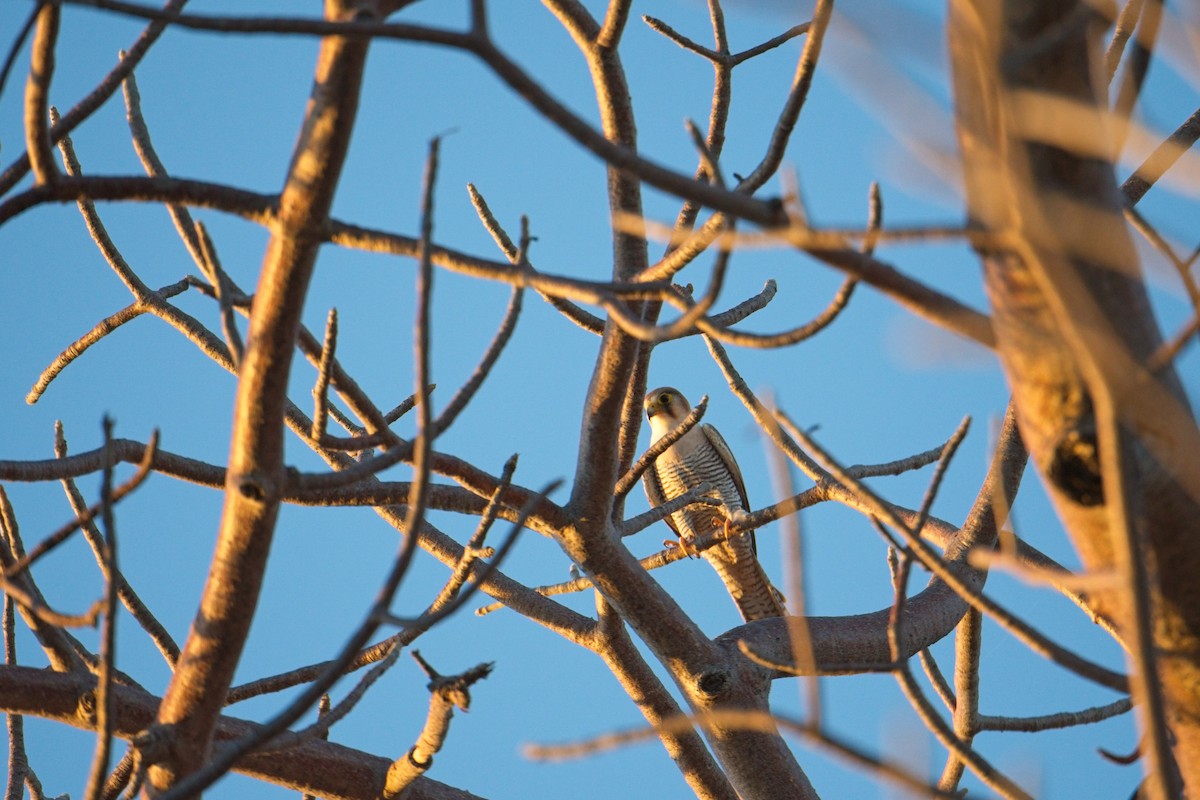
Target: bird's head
<point x="665" y="408"/>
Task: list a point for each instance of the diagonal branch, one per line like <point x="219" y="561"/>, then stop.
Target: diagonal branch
<point x="254" y="479"/>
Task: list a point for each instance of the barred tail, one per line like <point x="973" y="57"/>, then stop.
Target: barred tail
<point x="746" y="582"/>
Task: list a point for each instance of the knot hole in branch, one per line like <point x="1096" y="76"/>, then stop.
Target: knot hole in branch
<point x="713" y="682"/>
<point x="1075" y="468"/>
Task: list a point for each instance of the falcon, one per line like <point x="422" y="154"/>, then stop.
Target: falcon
<point x="702" y="457"/>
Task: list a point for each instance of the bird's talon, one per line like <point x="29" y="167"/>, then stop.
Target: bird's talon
<point x="680" y="544"/>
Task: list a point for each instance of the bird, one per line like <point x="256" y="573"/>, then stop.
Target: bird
<point x="700" y="457"/>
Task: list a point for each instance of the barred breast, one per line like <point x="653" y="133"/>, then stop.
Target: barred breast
<point x="679" y="472"/>
<point x="733" y="559"/>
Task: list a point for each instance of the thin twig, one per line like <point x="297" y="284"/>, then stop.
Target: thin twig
<point x="503" y="334"/>
<point x="98" y="332"/>
<point x="929" y="716"/>
<point x="105" y="704"/>
<point x="325" y="721"/>
<point x="1162" y="159"/>
<point x="129" y="598"/>
<point x="216" y="275"/>
<point x="321" y="389"/>
<point x="589" y="322"/>
<point x="59" y="536"/>
<point x="627" y="481"/>
<point x="1063" y="719"/>
<point x="18" y="763"/>
<point x="936" y="679"/>
<point x="15" y="50"/>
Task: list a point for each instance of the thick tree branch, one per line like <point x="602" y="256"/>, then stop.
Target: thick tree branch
<point x="254" y="480"/>
<point x="315" y="766"/>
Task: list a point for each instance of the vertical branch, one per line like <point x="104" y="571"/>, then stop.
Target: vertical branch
<point x="968" y="639"/>
<point x="685" y="747"/>
<point x="105" y="705"/>
<point x="1129" y="544"/>
<point x="799" y="633"/>
<point x="37" y="92"/>
<point x="321" y="390"/>
<point x="1137" y="64"/>
<point x="423" y="443"/>
<point x="18" y="764"/>
<point x="211" y="264"/>
<point x="255" y="476"/>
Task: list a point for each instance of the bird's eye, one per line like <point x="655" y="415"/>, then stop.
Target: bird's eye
<point x="665" y="398"/>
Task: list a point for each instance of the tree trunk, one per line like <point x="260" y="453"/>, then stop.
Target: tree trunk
<point x="1074" y="328"/>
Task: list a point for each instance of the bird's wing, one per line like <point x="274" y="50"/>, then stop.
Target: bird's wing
<point x="718" y="442"/>
<point x="655" y="493"/>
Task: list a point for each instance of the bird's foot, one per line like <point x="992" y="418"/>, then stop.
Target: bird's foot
<point x="736" y="519"/>
<point x="688" y="549"/>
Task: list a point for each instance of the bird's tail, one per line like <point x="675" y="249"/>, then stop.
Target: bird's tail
<point x="747" y="584"/>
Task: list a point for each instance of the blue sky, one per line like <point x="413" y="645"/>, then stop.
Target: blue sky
<point x="880" y="384"/>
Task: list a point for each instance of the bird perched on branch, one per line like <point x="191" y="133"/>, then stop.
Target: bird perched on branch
<point x="701" y="457"/>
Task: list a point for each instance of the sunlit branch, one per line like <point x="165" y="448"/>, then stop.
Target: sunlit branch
<point x="101" y="329"/>
<point x="211" y="265"/>
<point x="321" y="389"/>
<point x="448" y="693"/>
<point x="37" y="89"/>
<point x="103" y="90"/>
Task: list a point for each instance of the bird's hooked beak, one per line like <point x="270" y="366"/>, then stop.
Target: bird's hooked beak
<point x="659" y="402"/>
